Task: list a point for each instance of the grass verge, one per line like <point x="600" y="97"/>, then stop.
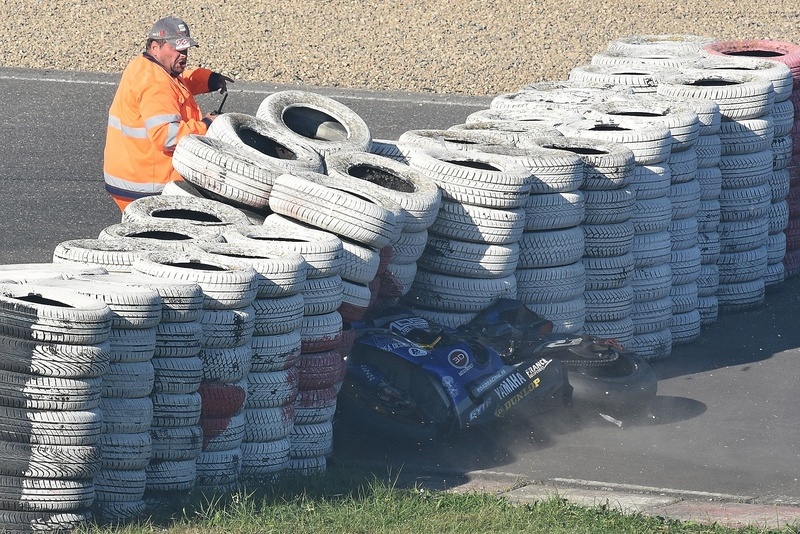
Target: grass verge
<point x="347" y="501"/>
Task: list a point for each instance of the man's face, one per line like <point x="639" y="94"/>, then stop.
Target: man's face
<point x="172" y="60"/>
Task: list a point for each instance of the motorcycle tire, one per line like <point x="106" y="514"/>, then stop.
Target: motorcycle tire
<point x="625" y="386"/>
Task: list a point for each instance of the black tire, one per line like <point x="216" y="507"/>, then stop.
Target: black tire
<point x="624" y="387"/>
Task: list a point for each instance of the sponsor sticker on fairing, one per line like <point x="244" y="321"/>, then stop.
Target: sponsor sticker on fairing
<point x="460" y="360"/>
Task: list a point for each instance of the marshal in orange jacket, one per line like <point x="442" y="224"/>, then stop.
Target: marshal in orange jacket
<point x="151" y="111"/>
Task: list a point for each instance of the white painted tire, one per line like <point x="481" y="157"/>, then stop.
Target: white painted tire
<point x="339" y="206"/>
<point x="418" y="195"/>
<point x="478" y="224"/>
<point x="552" y="211"/>
<point x="739" y="95"/>
<point x="476" y="178"/>
<point x="226" y="283"/>
<point x="471" y="260"/>
<point x="317" y="121"/>
<point x="273" y="149"/>
<point x="278" y="315"/>
<point x="458" y="294"/>
<point x="551" y="248"/>
<point x="190" y="210"/>
<point x="275" y="352"/>
<point x="322" y="250"/>
<point x="222" y="171"/>
<point x="278" y="273"/>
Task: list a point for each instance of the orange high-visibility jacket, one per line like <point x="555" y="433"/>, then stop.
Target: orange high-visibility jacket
<point x="151" y="111"/>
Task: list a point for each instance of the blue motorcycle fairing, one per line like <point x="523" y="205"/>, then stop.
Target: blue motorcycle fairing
<point x="478" y="383"/>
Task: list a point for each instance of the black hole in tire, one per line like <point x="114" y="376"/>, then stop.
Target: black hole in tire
<point x="189" y="215"/>
<point x="608" y="128"/>
<point x="200" y="266"/>
<point x="265" y="145"/>
<point x="638" y="114"/>
<point x="314" y="124"/>
<point x="38" y="299"/>
<point x="755" y="53"/>
<point x="380" y="177"/>
<point x="474" y="165"/>
<point x="163" y="235"/>
<point x="579" y="150"/>
<point x="711" y="83"/>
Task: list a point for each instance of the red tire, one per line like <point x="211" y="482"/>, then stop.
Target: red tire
<point x="785" y="52"/>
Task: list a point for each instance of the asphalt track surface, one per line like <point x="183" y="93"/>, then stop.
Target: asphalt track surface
<point x="724" y="431"/>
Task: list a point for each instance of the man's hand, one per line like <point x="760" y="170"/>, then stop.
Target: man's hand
<point x="219" y="82"/>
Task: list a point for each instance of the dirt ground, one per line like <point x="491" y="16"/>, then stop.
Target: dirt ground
<point x="470" y="47"/>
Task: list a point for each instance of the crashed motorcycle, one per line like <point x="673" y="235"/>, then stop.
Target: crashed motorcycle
<point x="413" y="378"/>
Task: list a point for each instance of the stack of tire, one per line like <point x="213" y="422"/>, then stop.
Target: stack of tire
<point x="171" y="413"/>
<point x="677" y="52"/>
<point x="272" y="378"/>
<point x="390" y="271"/>
<point x="745" y="101"/>
<point x="549" y="273"/>
<point x="366" y="221"/>
<point x="461" y="272"/>
<point x="553" y="209"/>
<point x="607" y="236"/>
<point x="125" y="442"/>
<point x="550" y="280"/>
<point x="172" y="410"/>
<point x="789" y="55"/>
<point x="274" y="396"/>
<point x="607" y="261"/>
<point x="227" y="322"/>
<point x="225" y="343"/>
<point x="650" y="142"/>
<point x="683" y="192"/>
<point x="771" y="132"/>
<point x="54" y="351"/>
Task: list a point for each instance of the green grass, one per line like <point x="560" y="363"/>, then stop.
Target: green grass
<point x="347" y="502"/>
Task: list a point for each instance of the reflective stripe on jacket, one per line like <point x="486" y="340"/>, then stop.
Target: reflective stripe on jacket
<point x="151" y="111"/>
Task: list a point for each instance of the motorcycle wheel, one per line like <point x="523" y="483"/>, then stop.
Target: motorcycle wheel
<point x="625" y="386"/>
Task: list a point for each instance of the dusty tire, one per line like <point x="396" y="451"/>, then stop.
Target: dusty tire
<point x="476" y="178"/>
<point x="191" y="210"/>
<point x="226" y="283"/>
<point x="338" y="206"/>
<point x="53" y="315"/>
<point x="272" y="148"/>
<point x="323" y="251"/>
<point x="319" y="122"/>
<point x="419" y="196"/>
<point x="222" y="171"/>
